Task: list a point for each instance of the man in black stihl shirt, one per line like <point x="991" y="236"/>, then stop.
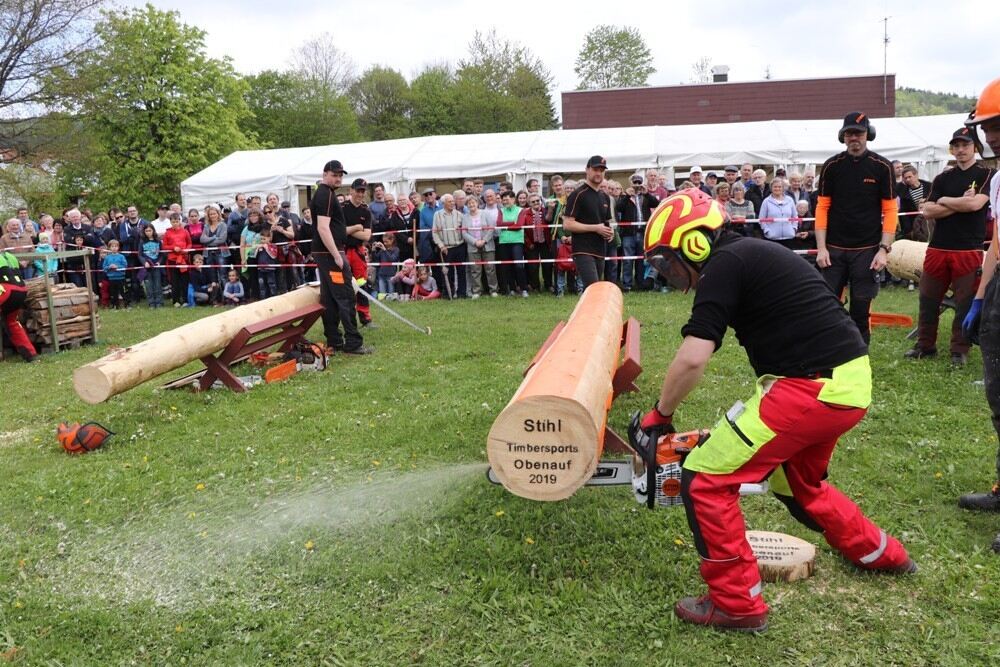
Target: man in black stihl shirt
<point x="957" y="203"/>
<point x="588" y="218"/>
<point x="813" y="385"/>
<point x="781" y="310"/>
<point x="336" y="292"/>
<point x="856" y="218"/>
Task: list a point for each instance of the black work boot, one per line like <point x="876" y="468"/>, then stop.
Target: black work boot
<point x="917" y="353"/>
<point x="982" y="502"/>
<point x="701" y="611"/>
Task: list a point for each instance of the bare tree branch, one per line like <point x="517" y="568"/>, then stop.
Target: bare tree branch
<point x="38" y="37"/>
<point x="320" y="60"/>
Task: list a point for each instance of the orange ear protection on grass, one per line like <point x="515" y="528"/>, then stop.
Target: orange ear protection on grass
<point x="80" y="439"/>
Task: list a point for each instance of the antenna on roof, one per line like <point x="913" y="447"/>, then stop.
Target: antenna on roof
<point x="885" y="59"/>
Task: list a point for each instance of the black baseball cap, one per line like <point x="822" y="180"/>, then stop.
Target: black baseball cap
<point x="856" y="120"/>
<point x="596" y="161"/>
<point x="359" y="184"/>
<point x="965" y="134"/>
<point x="334" y="166"/>
<point x="711" y="174"/>
<point x="637" y="179"/>
<point x="286" y="204"/>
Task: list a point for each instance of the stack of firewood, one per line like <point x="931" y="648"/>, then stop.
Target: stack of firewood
<point x="71" y="306"/>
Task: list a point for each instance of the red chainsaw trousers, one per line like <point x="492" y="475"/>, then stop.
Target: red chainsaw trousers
<point x="11" y="302"/>
<point x="359" y="269"/>
<point x="806" y="432"/>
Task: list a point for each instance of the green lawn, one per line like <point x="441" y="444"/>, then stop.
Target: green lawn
<point x="344" y="518"/>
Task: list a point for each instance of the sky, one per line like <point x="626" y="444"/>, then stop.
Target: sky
<point x="928" y="47"/>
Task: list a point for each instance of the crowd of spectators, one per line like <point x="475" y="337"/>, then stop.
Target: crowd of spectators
<point x="482" y="239"/>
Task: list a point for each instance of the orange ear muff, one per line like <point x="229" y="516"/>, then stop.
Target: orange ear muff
<point x="92" y="435"/>
<point x="66" y="434"/>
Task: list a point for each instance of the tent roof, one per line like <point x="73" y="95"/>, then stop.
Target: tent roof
<point x="917" y="139"/>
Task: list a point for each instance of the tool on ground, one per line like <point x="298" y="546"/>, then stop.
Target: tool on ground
<point x="282" y="371"/>
<point x="426" y="330"/>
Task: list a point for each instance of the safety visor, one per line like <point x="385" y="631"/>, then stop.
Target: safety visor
<point x="678" y="273"/>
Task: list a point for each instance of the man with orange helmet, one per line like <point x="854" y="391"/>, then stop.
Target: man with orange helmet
<point x="982" y="324"/>
<point x="813" y="385"/>
<point x="856" y="218"/>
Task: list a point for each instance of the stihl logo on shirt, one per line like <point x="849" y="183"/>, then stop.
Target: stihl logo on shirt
<point x="871" y="181"/>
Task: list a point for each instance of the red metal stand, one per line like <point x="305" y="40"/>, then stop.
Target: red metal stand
<point x="289" y="327"/>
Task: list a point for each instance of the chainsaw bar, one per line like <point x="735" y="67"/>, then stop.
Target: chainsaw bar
<point x="608" y="473"/>
<point x="619" y="473"/>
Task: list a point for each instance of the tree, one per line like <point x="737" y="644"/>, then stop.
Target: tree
<point x="320" y="61"/>
<point x="613" y="58"/>
<point x="157" y="107"/>
<point x="502" y="87"/>
<point x="913" y="102"/>
<point x="286" y="111"/>
<point x="432" y="97"/>
<point x="381" y="98"/>
<point x="701" y="70"/>
<point x="38" y="36"/>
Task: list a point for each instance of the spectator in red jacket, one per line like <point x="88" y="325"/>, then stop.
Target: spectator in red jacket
<point x="176" y="241"/>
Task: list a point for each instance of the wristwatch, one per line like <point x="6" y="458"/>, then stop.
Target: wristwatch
<point x="887" y="248"/>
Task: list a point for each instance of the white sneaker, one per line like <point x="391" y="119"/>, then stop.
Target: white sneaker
<point x="525" y="294"/>
<point x="475" y="296"/>
<point x="494" y="294"/>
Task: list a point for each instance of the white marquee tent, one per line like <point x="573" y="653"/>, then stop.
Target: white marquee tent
<point x="401" y="163"/>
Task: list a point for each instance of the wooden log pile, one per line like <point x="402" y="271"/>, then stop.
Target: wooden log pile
<point x="71" y="305"/>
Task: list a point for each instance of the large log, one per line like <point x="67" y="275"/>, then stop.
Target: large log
<point x="547" y="441"/>
<point x="126" y="368"/>
<point x="907" y="259"/>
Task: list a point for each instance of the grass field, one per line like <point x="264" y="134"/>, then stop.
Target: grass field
<point x="344" y="518"/>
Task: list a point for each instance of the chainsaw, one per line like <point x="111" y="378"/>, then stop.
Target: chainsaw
<point x="653" y="466"/>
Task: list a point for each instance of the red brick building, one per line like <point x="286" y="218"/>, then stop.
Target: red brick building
<point x="730" y="102"/>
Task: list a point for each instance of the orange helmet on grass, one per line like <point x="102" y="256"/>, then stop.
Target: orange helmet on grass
<point x="680" y="234"/>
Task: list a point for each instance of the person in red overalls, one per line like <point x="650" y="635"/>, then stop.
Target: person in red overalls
<point x="813" y="385"/>
<point x="12" y="297"/>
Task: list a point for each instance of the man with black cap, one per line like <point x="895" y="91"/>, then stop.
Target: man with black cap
<point x="357" y="216"/>
<point x="856" y="218"/>
<point x="336" y="293"/>
<point x="588" y="219"/>
<point x="957" y="203"/>
<point x="982" y="324"/>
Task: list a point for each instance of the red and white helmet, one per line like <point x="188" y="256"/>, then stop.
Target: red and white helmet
<point x="679" y="236"/>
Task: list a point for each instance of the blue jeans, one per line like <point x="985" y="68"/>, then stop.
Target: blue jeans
<point x="385" y="284"/>
<point x="631" y="245"/>
<point x="154" y="287"/>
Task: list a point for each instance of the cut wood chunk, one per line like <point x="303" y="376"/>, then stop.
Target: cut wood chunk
<point x="907" y="259"/>
<point x="782" y="557"/>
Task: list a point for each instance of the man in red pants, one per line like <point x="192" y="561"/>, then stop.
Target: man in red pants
<point x="359" y="231"/>
<point x="12" y="296"/>
<point x="813" y="385"/>
<point x="958" y="203"/>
